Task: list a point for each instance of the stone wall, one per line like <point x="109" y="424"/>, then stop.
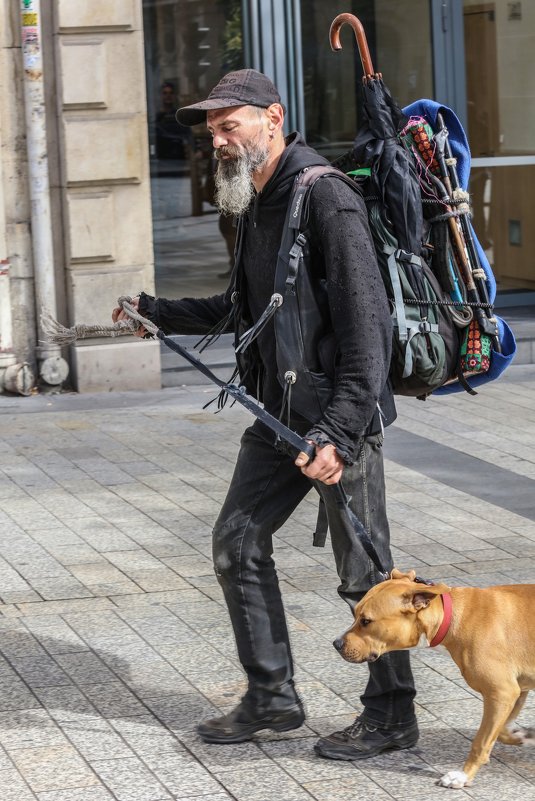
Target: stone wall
<point x="99" y="182"/>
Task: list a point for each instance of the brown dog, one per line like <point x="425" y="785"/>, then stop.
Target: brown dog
<point x="488" y="632"/>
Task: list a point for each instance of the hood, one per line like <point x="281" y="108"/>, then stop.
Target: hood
<point x="296" y="156"/>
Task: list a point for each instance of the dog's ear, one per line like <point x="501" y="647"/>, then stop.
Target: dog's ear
<point x="397" y="574"/>
<point x="420" y="598"/>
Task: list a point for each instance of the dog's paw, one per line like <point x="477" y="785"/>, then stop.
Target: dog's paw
<point x="525" y="736"/>
<point x="455" y="779"/>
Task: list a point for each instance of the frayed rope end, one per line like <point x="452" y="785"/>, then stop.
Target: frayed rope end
<point x="58" y="334"/>
<point x="54" y="332"/>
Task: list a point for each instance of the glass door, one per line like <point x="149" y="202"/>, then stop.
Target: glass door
<point x="399" y="38"/>
<point x="189" y="46"/>
<point x="499" y="51"/>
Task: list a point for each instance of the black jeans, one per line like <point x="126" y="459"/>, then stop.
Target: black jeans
<point x="265" y="489"/>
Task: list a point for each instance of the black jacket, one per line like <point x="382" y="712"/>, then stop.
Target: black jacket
<point x="341" y="264"/>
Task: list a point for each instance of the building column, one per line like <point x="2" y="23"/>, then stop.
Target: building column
<point x="17" y="320"/>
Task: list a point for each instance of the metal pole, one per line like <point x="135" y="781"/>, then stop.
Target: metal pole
<point x="52" y="368"/>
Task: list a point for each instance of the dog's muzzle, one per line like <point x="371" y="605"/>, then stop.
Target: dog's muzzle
<point x="339" y="643"/>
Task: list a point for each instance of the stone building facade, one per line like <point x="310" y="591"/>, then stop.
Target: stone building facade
<point x="101" y="225"/>
<point x="129" y="203"/>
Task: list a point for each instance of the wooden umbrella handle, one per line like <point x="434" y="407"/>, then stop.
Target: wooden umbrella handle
<point x="360" y="36"/>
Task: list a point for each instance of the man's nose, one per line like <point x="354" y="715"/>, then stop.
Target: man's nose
<point x="219" y="140"/>
<point x="339" y="643"/>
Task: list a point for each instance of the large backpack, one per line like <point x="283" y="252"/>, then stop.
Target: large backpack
<point x="437" y="342"/>
<point x="426" y="342"/>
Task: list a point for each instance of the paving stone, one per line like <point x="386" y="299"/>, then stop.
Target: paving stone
<point x="158" y="580"/>
<point x="168" y="546"/>
<point x="114" y="589"/>
<point x="53" y="768"/>
<point x="74" y="554"/>
<point x="217" y="797"/>
<point x="41" y="671"/>
<point x="55" y="635"/>
<point x="264" y="784"/>
<point x="19" y="596"/>
<point x="152" y="598"/>
<point x="113" y="699"/>
<point x="152" y="653"/>
<point x="5" y="762"/>
<point x="65" y="607"/>
<point x="97" y="573"/>
<point x="29" y="728"/>
<point x="337" y="789"/>
<point x="60" y="536"/>
<point x="319" y="700"/>
<point x="99" y="534"/>
<point x="181" y="774"/>
<point x="17" y="642"/>
<point x="153" y="680"/>
<point x="297" y="758"/>
<point x="129" y="780"/>
<point x="95" y="739"/>
<point x="13" y="786"/>
<point x="232" y="757"/>
<point x="60" y="588"/>
<point x="97" y="793"/>
<point x="85" y="668"/>
<point x="146" y="735"/>
<point x="65" y="703"/>
<point x="133" y="560"/>
<point x="181" y="713"/>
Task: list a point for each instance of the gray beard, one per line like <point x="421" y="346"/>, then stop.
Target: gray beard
<point x="234" y="189"/>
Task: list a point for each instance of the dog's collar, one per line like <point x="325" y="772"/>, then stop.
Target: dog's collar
<point x="446" y="620"/>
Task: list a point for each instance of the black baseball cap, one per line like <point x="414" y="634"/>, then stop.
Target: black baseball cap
<point x="239" y="88"/>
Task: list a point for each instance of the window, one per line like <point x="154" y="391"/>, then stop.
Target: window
<point x="188" y="48"/>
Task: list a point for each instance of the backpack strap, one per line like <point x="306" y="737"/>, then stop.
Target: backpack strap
<point x="305" y="181"/>
<point x="294" y="236"/>
<point x="293" y="240"/>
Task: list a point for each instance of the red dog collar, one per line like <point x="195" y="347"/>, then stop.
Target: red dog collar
<point x="446" y="620"/>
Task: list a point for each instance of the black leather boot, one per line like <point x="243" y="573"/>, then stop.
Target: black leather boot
<point x="362" y="740"/>
<point x="240" y="724"/>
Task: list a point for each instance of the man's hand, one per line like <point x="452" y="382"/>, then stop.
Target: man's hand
<point x="118" y="314"/>
<point x="327" y="466"/>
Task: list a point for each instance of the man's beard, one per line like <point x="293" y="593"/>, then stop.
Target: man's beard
<point x="234" y="187"/>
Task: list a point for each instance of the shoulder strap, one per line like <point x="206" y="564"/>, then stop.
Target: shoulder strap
<point x="294" y="237"/>
<point x="301" y="195"/>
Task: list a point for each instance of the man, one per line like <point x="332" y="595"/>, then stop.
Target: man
<point x="170" y="141"/>
<point x="345" y="332"/>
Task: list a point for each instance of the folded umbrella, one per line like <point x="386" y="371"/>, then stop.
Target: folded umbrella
<point x="377" y="146"/>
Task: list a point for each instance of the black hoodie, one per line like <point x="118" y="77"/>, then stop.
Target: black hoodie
<point x="343" y="259"/>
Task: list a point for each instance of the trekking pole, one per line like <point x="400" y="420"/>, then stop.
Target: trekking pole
<point x="447" y="163"/>
<point x="434" y="157"/>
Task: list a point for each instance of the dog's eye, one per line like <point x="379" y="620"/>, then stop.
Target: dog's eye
<point x="365" y="621"/>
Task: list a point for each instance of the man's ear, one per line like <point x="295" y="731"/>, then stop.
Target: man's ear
<point x="275" y="114"/>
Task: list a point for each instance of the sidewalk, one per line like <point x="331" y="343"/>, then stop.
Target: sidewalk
<point x="113" y="634"/>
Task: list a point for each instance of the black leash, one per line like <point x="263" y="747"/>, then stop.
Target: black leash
<point x="60" y="335"/>
<point x="297" y="443"/>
